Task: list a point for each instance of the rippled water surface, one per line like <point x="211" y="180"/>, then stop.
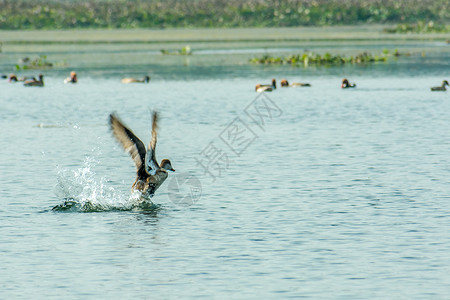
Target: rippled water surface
<point x="310" y="192"/>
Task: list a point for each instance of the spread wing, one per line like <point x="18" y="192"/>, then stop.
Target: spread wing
<point x="150" y="158"/>
<point x="130" y="143"/>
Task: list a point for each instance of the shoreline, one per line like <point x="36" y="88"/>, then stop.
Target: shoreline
<point x="189" y="35"/>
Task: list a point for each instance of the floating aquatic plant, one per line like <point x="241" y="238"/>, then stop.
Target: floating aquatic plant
<point x="311" y="58"/>
<point x="40" y="62"/>
<point x="184" y="51"/>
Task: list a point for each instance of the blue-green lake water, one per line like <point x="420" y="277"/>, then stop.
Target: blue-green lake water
<point x="315" y="193"/>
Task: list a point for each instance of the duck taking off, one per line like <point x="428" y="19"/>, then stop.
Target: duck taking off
<point x="150" y="175"/>
<point x="440" y="88"/>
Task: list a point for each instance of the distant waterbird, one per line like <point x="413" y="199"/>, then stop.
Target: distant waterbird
<point x="346" y="84"/>
<point x="285" y="83"/>
<point x="266" y="87"/>
<point x="72" y="79"/>
<point x="259" y="88"/>
<point x="14" y="78"/>
<point x="440" y="88"/>
<point x="34" y="82"/>
<point x="145" y="79"/>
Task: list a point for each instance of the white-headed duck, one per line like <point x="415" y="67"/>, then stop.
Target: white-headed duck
<point x="72" y="79"/>
<point x="150" y="175"/>
<point x="146" y="79"/>
<point x="440" y="88"/>
<point x="34" y="82"/>
<point x="285" y="83"/>
<point x="346" y="84"/>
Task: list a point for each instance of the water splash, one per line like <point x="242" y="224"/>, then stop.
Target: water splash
<point x="82" y="191"/>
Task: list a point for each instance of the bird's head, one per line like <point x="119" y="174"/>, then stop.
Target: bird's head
<point x="167" y="165"/>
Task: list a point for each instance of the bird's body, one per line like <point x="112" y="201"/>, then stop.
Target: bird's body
<point x="148" y="185"/>
<point x="440" y="88"/>
<point x="285" y="83"/>
<point x="150" y="175"/>
<point x="296" y="84"/>
<point x="146" y="79"/>
<point x="259" y="88"/>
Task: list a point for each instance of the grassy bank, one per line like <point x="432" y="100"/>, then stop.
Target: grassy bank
<point x="419" y="27"/>
<point x="176" y="38"/>
<point x="64" y="14"/>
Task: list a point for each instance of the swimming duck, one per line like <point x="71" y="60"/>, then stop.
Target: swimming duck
<point x="260" y="88"/>
<point x="34" y="82"/>
<point x="14" y="78"/>
<point x="440" y="88"/>
<point x="285" y="83"/>
<point x="150" y="175"/>
<point x="266" y="87"/>
<point x="72" y="79"/>
<point x="146" y="79"/>
<point x="346" y="84"/>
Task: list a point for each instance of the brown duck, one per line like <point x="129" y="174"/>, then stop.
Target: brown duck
<point x="285" y="83"/>
<point x="146" y="79"/>
<point x="150" y="175"/>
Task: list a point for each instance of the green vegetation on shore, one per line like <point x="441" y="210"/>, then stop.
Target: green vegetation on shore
<point x="419" y="27"/>
<point x="65" y="14"/>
